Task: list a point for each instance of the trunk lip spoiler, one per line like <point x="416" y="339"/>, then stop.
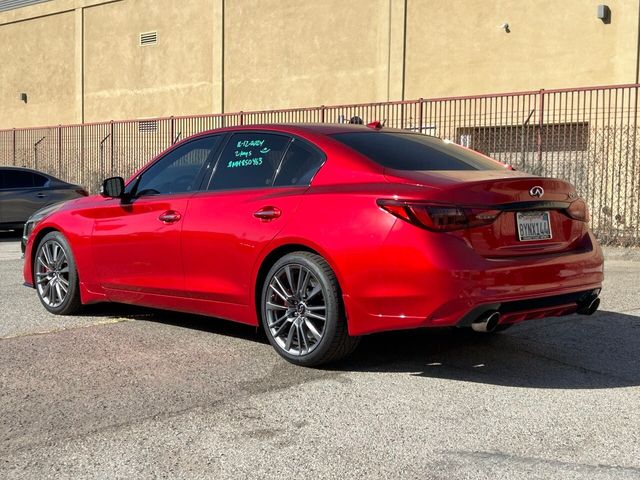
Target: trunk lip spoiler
<point x="503" y="207"/>
<point x="533" y="205"/>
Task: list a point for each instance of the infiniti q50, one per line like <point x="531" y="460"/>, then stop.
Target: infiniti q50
<point x="321" y="234"/>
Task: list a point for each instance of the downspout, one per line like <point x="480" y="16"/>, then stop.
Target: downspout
<point x="404" y="48"/>
<point x="222" y="61"/>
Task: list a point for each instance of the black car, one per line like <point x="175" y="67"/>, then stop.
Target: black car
<point x="24" y="191"/>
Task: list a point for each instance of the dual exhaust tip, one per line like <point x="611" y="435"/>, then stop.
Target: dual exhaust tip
<point x="489" y="321"/>
<point x="589" y="306"/>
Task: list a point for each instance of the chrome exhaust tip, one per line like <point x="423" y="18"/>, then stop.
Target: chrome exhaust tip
<point x="487" y="322"/>
<point x="589" y="307"/>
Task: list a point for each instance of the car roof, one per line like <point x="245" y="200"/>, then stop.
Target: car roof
<point x="25" y="169"/>
<point x="31" y="170"/>
<point x="317" y="128"/>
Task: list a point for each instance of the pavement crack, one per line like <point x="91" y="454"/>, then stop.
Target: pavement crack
<point x="109" y="321"/>
<point x="510" y="459"/>
<point x="571" y="365"/>
<point x="245" y="393"/>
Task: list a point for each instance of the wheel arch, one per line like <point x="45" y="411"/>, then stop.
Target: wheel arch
<point x="84" y="294"/>
<point x="36" y="241"/>
<point x="273" y="256"/>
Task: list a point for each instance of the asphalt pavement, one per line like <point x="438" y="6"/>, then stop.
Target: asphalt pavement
<point x="122" y="392"/>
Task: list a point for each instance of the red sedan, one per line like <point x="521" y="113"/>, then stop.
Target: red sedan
<point x="321" y="234"/>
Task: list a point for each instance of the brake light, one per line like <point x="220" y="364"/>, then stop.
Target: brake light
<point x="439" y="218"/>
<point x="578" y="210"/>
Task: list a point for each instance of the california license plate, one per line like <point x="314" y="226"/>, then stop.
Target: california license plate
<point x="533" y="226"/>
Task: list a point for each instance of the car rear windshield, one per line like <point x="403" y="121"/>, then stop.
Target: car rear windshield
<point x="413" y="151"/>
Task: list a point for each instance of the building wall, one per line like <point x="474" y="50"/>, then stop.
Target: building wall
<point x="289" y="53"/>
<point x="177" y="76"/>
<point x="80" y="60"/>
<point x="37" y="58"/>
<point x="458" y="48"/>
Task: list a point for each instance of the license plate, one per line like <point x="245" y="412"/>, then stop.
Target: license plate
<point x="533" y="226"/>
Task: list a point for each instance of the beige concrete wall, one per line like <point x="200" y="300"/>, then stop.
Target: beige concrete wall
<point x="174" y="77"/>
<point x="457" y="47"/>
<point x="287" y="53"/>
<point x="79" y="60"/>
<point x="37" y="58"/>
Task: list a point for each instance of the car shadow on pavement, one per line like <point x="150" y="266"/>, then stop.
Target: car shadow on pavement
<point x="177" y="319"/>
<point x="574" y="352"/>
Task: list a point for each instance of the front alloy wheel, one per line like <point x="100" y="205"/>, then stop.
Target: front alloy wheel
<point x="302" y="313"/>
<point x="55" y="275"/>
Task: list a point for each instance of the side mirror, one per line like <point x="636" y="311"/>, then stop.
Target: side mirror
<point x="112" y="187"/>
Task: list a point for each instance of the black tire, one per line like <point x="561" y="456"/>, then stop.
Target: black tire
<point x="66" y="272"/>
<point x="335" y="342"/>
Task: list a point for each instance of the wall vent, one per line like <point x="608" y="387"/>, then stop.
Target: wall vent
<point x="148" y="126"/>
<point x="148" y="38"/>
<point x="11" y="4"/>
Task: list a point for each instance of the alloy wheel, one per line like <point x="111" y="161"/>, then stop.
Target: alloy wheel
<point x="52" y="273"/>
<point x="296" y="309"/>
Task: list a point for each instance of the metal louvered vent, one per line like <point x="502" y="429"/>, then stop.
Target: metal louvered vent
<point x="148" y="38"/>
<point x="148" y="126"/>
<point x="11" y="4"/>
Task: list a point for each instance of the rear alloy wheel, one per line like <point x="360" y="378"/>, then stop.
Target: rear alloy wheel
<point x="55" y="275"/>
<point x="302" y="312"/>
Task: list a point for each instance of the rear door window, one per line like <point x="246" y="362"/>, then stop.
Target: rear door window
<point x="16" y="179"/>
<point x="300" y="164"/>
<point x="39" y="180"/>
<point x="249" y="160"/>
<point x="413" y="151"/>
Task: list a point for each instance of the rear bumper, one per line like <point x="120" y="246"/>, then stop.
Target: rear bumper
<point x="446" y="283"/>
<point x="515" y="311"/>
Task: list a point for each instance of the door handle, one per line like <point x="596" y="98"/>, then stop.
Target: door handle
<point x="267" y="214"/>
<point x="170" y="216"/>
<point x="41" y="195"/>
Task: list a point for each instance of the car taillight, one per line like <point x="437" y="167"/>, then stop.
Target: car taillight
<point x="439" y="218"/>
<point x="578" y="210"/>
<point x="82" y="191"/>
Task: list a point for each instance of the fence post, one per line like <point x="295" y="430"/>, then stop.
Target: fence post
<point x="111" y="147"/>
<point x="172" y="130"/>
<point x="420" y="112"/>
<point x="241" y="117"/>
<point x="321" y="113"/>
<point x="540" y="125"/>
<point x="60" y="173"/>
<point x="83" y="173"/>
<point x="14" y="148"/>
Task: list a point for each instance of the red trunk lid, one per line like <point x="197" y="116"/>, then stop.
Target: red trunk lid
<point x="511" y="192"/>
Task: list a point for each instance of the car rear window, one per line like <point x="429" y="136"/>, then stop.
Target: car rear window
<point x="413" y="151"/>
<point x="299" y="165"/>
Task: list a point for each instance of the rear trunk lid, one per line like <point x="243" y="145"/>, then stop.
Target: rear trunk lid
<point x="533" y="218"/>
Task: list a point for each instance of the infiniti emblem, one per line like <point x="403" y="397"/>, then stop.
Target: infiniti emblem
<point x="536" y="191"/>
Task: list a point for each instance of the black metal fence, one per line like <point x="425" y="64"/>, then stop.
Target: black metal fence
<point x="588" y="136"/>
